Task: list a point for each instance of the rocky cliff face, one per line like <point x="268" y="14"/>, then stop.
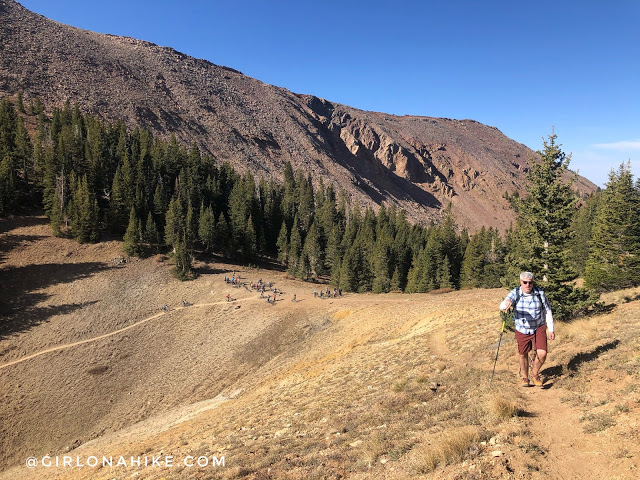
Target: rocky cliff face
<point x="419" y="164"/>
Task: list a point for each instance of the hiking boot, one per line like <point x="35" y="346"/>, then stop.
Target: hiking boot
<point x="537" y="381"/>
<point x="525" y="382"/>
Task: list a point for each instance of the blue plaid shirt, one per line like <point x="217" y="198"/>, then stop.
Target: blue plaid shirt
<point x="530" y="310"/>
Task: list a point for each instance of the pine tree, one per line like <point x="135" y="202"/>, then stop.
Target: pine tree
<point x="305" y="202"/>
<point x="312" y="252"/>
<point x="418" y="275"/>
<point x="450" y="247"/>
<point x="295" y="248"/>
<point x="614" y="261"/>
<point x="133" y="236"/>
<point x="151" y="234"/>
<point x="84" y="225"/>
<point x="334" y="251"/>
<point x="250" y="240"/>
<point x="283" y="244"/>
<point x="190" y="227"/>
<point x="182" y="257"/>
<point x="582" y="228"/>
<point x="444" y="274"/>
<point x="494" y="267"/>
<point x="159" y="204"/>
<point x="239" y="211"/>
<point x="20" y="102"/>
<point x="7" y="185"/>
<point x="543" y="232"/>
<point x="175" y="223"/>
<point x="395" y="285"/>
<point x="355" y="273"/>
<point x="117" y="204"/>
<point x="473" y="262"/>
<point x="289" y="198"/>
<point x="401" y="249"/>
<point x="206" y="229"/>
<point x="222" y="238"/>
<point x="382" y="260"/>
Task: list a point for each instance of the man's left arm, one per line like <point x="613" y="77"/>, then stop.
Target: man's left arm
<point x="549" y="319"/>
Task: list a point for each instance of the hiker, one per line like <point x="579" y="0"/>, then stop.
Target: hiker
<point x="294" y="298"/>
<point x="165" y="307"/>
<point x="533" y="318"/>
<point x="228" y="298"/>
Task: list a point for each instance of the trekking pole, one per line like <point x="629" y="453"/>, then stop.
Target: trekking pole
<point x="504" y="320"/>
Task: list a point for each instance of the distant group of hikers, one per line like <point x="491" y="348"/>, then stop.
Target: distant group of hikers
<point x="259" y="286"/>
<point x="233" y="280"/>
<point x="166" y="307"/>
<point x="264" y="287"/>
<point x="271" y="293"/>
<point x="328" y="293"/>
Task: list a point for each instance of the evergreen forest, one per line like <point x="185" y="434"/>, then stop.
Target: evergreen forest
<point x="99" y="180"/>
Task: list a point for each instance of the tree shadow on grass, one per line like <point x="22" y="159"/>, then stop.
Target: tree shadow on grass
<point x="582" y="357"/>
<point x="21" y="295"/>
<point x="10" y="241"/>
<point x="578" y="359"/>
<point x="10" y="223"/>
<point x="34" y="316"/>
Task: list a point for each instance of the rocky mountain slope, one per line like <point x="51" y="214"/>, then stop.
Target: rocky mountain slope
<point x="417" y="163"/>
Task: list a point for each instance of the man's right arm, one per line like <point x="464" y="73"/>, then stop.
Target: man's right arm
<point x="508" y="301"/>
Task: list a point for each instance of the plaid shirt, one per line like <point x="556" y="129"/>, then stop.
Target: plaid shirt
<point x="529" y="313"/>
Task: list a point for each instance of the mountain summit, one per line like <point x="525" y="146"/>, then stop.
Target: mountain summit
<point x="420" y="164"/>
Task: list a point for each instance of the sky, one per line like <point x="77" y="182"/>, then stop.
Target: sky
<point x="525" y="67"/>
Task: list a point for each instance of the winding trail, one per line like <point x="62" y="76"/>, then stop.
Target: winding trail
<point x="110" y="334"/>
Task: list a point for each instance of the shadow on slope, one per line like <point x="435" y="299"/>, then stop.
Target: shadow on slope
<point x="10" y="241"/>
<point x="20" y="297"/>
<point x="578" y="359"/>
<point x="11" y="223"/>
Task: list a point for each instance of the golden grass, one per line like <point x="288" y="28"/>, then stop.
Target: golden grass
<point x="450" y="447"/>
<point x="583" y="331"/>
<point x="502" y="408"/>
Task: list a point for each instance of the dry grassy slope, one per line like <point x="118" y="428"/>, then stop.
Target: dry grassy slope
<point x="363" y="386"/>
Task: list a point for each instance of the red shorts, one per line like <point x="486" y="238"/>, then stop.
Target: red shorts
<point x="537" y="340"/>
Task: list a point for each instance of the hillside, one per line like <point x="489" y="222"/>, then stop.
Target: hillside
<point x="363" y="386"/>
<point x="420" y="164"/>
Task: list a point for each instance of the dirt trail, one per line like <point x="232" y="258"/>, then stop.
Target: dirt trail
<point x="554" y="441"/>
<point x="566" y="450"/>
<point x="110" y="334"/>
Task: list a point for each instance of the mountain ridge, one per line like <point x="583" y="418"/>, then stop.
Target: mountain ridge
<point x="419" y="164"/>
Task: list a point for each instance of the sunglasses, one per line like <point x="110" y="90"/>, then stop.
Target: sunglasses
<point x="527" y="282"/>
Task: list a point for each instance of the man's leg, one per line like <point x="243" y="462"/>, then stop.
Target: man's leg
<point x="540" y="347"/>
<point x="539" y="361"/>
<point x="524" y="365"/>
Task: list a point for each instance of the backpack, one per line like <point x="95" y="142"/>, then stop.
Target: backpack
<point x="509" y="317"/>
<point x="536" y="292"/>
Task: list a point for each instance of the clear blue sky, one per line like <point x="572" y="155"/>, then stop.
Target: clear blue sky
<point x="523" y="67"/>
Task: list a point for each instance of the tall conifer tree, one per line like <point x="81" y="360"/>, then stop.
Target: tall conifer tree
<point x="614" y="261"/>
<point x="543" y="233"/>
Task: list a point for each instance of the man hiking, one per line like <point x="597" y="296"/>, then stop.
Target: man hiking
<point x="533" y="318"/>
